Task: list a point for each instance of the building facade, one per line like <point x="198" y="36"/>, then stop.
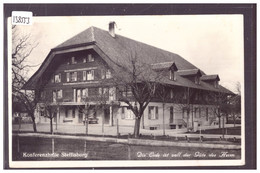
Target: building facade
<point x="72" y="76"/>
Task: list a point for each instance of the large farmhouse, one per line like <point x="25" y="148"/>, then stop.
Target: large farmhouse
<point x="71" y="77"/>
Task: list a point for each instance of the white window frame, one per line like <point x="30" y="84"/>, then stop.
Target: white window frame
<point x="74" y="76"/>
<point x="85" y="93"/>
<point x="172" y="75"/>
<point x="90" y="58"/>
<point x="54" y="96"/>
<point x="59" y="94"/>
<point x="108" y="74"/>
<point x="73" y="60"/>
<point x="112" y="93"/>
<point x="103" y="74"/>
<point x="57" y="78"/>
<point x="153" y="112"/>
<point x="78" y="94"/>
<point x="90" y="74"/>
<point x="68" y="76"/>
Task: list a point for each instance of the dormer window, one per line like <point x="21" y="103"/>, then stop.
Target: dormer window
<point x="172" y="75"/>
<point x="211" y="79"/>
<point x="216" y="84"/>
<point x="191" y="74"/>
<point x="166" y="68"/>
<point x="197" y="80"/>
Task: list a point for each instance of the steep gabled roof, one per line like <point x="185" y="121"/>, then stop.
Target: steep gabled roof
<point x="119" y="48"/>
<point x="86" y="36"/>
<point x="210" y="77"/>
<point x="190" y="72"/>
<point x="164" y="65"/>
<point x="118" y="51"/>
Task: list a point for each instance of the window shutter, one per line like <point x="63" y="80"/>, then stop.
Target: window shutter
<point x="123" y="113"/>
<point x="83" y="93"/>
<point x="156" y="112"/>
<point x="59" y="77"/>
<point x="92" y="74"/>
<point x="68" y="77"/>
<point x="207" y="114"/>
<point x="52" y="79"/>
<point x="86" y="92"/>
<point x="149" y="112"/>
<point x="102" y="74"/>
<point x="100" y="91"/>
<point x="84" y="75"/>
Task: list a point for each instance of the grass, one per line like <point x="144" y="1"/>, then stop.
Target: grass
<point x="227" y="131"/>
<point x="161" y="138"/>
<point x="92" y="150"/>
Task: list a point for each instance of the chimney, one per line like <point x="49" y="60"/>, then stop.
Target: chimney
<point x="112" y="28"/>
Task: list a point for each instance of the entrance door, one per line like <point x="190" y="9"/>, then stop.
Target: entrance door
<point x="55" y="117"/>
<point x="80" y="120"/>
<point x="171" y="115"/>
<point x="106" y="116"/>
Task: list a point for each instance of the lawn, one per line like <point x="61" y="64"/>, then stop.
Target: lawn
<point x="227" y="131"/>
<point x="35" y="148"/>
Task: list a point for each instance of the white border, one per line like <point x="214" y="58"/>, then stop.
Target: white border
<point x="138" y="163"/>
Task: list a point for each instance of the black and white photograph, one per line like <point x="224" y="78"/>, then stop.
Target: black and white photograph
<point x="148" y="90"/>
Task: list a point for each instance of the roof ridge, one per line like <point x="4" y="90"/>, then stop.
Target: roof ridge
<point x="163" y="62"/>
<point x="92" y="33"/>
<point x="189" y="69"/>
<point x="91" y="28"/>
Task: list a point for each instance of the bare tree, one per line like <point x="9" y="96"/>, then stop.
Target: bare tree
<point x="163" y="95"/>
<point x="103" y="101"/>
<point x="50" y="107"/>
<point x="85" y="110"/>
<point x="235" y="104"/>
<point x="184" y="103"/>
<point x="221" y="107"/>
<point x="22" y="46"/>
<point x="136" y="84"/>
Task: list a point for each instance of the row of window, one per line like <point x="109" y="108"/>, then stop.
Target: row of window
<point x="89" y="58"/>
<point x="153" y="113"/>
<point x="80" y="94"/>
<point x="86" y="76"/>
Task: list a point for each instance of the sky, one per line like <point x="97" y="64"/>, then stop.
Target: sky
<point x="213" y="43"/>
